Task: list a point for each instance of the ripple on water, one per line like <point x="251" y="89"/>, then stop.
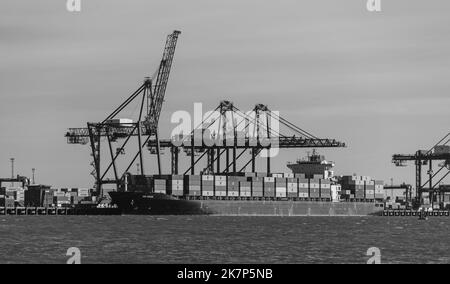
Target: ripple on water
<point x="202" y="239"/>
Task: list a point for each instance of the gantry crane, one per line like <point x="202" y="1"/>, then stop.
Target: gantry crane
<point x="263" y="137"/>
<point x="255" y="135"/>
<point x="151" y="94"/>
<point x="428" y="157"/>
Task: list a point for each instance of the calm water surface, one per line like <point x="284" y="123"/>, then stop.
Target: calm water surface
<point x="206" y="239"/>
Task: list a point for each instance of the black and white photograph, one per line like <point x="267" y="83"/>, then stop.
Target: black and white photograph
<point x="222" y="139"/>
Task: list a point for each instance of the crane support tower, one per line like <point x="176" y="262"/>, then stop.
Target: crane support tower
<point x="436" y="172"/>
<point x="150" y="95"/>
<point x="225" y="157"/>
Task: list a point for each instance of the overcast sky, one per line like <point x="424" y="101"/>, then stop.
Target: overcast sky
<point x="377" y="81"/>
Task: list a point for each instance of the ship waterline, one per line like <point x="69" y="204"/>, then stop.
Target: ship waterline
<point x="160" y="204"/>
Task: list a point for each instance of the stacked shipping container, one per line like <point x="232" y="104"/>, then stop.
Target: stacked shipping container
<point x="245" y="189"/>
<point x="192" y="185"/>
<point x="160" y="186"/>
<point x="362" y="187"/>
<point x="207" y="185"/>
<point x="175" y="185"/>
<point x="303" y="188"/>
<point x="257" y="186"/>
<point x="233" y="185"/>
<point x="281" y="187"/>
<point x="269" y="187"/>
<point x="292" y="187"/>
<point x="220" y="183"/>
<point x="314" y="188"/>
<point x="325" y="189"/>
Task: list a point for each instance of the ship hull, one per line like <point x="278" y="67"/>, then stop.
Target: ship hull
<point x="159" y="204"/>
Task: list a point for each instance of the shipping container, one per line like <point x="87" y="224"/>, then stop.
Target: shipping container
<point x="269" y="180"/>
<point x="220" y="192"/>
<point x="269" y="191"/>
<point x="176" y="185"/>
<point x="257" y="189"/>
<point x="193" y="190"/>
<point x="314" y="184"/>
<point x="303" y="176"/>
<point x="303" y="194"/>
<point x="277" y="175"/>
<point x="325" y="184"/>
<point x="292" y="187"/>
<point x="281" y="192"/>
<point x="7" y="202"/>
<point x="207" y="178"/>
<point x="318" y="176"/>
<point x="207" y="193"/>
<point x="245" y="189"/>
<point x="314" y="192"/>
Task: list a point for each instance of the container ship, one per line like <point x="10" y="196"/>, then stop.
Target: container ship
<point x="309" y="190"/>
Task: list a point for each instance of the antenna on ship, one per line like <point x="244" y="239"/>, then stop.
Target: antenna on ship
<point x="34" y="171"/>
<point x="12" y="170"/>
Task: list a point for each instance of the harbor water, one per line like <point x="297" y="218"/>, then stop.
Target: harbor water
<point x="215" y="239"/>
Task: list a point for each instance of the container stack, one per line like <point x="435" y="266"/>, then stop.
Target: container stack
<point x="233" y="185"/>
<point x="281" y="187"/>
<point x="261" y="175"/>
<point x="425" y="198"/>
<point x="303" y="188"/>
<point x="362" y="187"/>
<point x="60" y="198"/>
<point x="5" y="200"/>
<point x="192" y="184"/>
<point x="140" y="183"/>
<point x="314" y="188"/>
<point x="292" y="187"/>
<point x="220" y="186"/>
<point x="159" y="186"/>
<point x="269" y="187"/>
<point x="207" y="185"/>
<point x="257" y="186"/>
<point x="34" y="197"/>
<point x="73" y="196"/>
<point x="48" y="197"/>
<point x="379" y="190"/>
<point x="175" y="185"/>
<point x="325" y="189"/>
<point x="20" y="197"/>
<point x="245" y="189"/>
<point x="303" y="176"/>
<point x="369" y="187"/>
<point x="84" y="192"/>
<point x="318" y="176"/>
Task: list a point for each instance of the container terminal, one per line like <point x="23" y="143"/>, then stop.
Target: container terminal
<point x="218" y="181"/>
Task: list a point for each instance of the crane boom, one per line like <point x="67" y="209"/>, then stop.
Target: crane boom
<point x="156" y="94"/>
